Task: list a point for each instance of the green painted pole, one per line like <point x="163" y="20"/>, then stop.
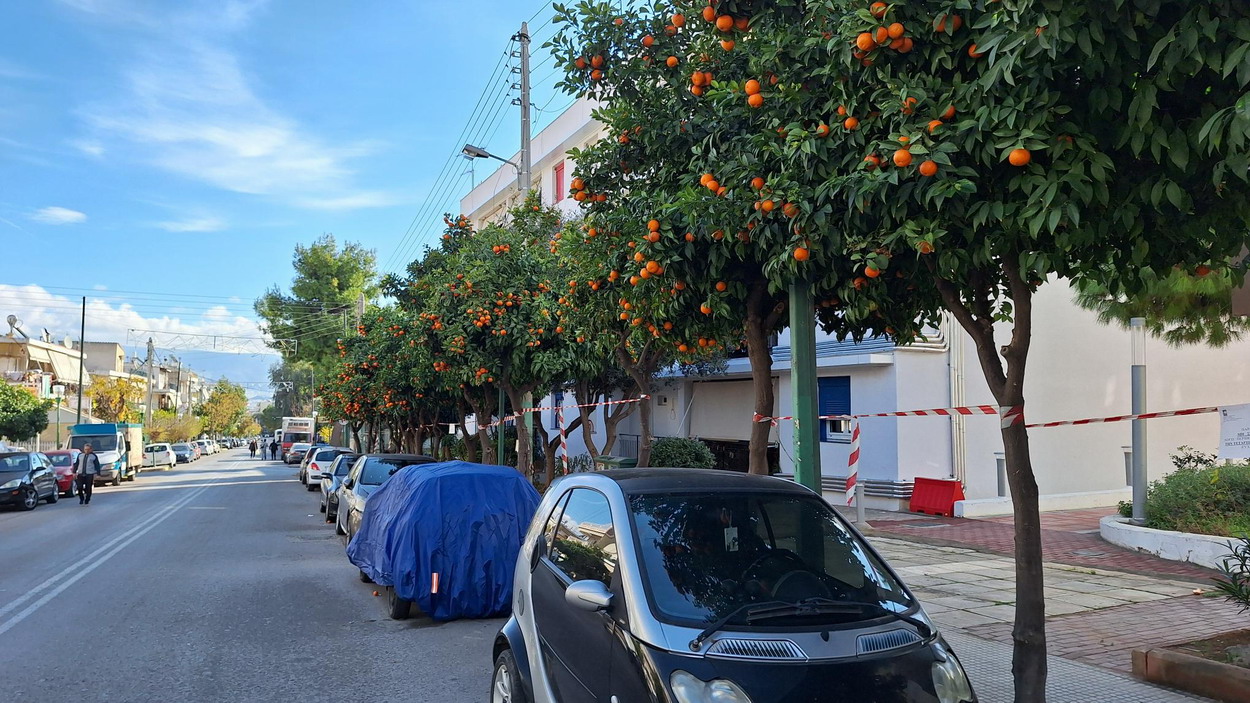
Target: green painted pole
<point x="803" y="386"/>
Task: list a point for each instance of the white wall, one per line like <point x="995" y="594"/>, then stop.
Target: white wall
<point x="1079" y="368"/>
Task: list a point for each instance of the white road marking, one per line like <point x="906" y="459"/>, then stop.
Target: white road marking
<point x="76" y="571"/>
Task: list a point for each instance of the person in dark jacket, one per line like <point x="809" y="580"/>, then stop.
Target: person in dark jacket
<point x="85" y="471"/>
<point x="273" y="449"/>
<point x="251" y="447"/>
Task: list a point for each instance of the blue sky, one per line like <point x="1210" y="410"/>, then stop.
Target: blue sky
<point x="181" y="149"/>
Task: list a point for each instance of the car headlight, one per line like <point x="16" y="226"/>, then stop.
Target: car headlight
<point x="688" y="688"/>
<point x="949" y="680"/>
<point x="11" y="484"/>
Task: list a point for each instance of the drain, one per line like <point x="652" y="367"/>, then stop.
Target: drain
<point x="924" y="525"/>
<point x="1088" y="553"/>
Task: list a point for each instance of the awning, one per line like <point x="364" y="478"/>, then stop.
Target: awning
<point x="38" y="354"/>
<point x="65" y="369"/>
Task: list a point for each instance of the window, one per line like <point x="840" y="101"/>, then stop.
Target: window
<point x="557" y="177"/>
<point x="585" y="543"/>
<point x="835" y="399"/>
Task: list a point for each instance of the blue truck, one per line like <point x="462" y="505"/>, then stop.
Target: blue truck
<point x="118" y="444"/>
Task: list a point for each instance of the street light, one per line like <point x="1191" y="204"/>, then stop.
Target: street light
<point x="477" y="152"/>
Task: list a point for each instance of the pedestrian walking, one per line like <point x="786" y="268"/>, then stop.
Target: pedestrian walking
<point x="273" y="449"/>
<point x="87" y="468"/>
<point x="251" y="448"/>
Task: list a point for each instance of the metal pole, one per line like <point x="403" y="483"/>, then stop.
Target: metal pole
<point x="360" y="309"/>
<point x="859" y="502"/>
<point x="803" y="382"/>
<point x="148" y="413"/>
<point x="1000" y="462"/>
<point x="82" y="353"/>
<point x="1137" y="330"/>
<point x="500" y="427"/>
<point x="523" y="178"/>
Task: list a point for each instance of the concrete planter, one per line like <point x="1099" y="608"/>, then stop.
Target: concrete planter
<point x="1202" y="550"/>
<point x="1223" y="682"/>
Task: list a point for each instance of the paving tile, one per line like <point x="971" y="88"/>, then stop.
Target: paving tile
<point x="1132" y="595"/>
<point x="1004" y="613"/>
<point x="961" y="619"/>
<point x="960" y="602"/>
<point x="1056" y="607"/>
<point x="1089" y="600"/>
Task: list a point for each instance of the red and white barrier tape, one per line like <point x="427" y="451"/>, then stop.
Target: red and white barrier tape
<point x="1120" y="418"/>
<point x="852" y="462"/>
<point x="1011" y="414"/>
<point x="514" y="416"/>
<point x="564" y="439"/>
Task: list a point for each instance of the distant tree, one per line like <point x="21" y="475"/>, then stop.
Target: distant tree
<point x="115" y="399"/>
<point x="328" y="281"/>
<point x="22" y="415"/>
<point x="225" y="407"/>
<point x="1180" y="308"/>
<point x="269" y="418"/>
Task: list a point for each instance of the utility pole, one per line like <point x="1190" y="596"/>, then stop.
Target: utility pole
<point x="82" y="355"/>
<point x="360" y="309"/>
<point x="147" y="408"/>
<point x="524" y="177"/>
<point x="178" y="388"/>
<point x="1137" y="334"/>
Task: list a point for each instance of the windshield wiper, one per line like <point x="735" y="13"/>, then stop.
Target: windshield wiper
<point x="808" y="606"/>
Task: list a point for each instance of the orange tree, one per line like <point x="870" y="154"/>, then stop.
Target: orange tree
<point x="942" y="154"/>
<point x="496" y="311"/>
<point x="348" y="394"/>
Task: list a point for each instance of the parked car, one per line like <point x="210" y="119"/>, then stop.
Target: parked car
<point x="27" y="478"/>
<point x="369" y="472"/>
<point x="704" y="585"/>
<point x="160" y="454"/>
<point x="296" y="453"/>
<point x="63" y="461"/>
<point x="198" y="448"/>
<point x="445" y="536"/>
<point x="315" y="461"/>
<point x="331" y="479"/>
<point x="184" y="453"/>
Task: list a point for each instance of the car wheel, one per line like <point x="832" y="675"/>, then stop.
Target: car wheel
<point x="505" y="685"/>
<point x="400" y="609"/>
<point x="322" y="507"/>
<point x="73" y="489"/>
<point x="54" y="496"/>
<point x="338" y="527"/>
<point x="117" y="478"/>
<point x="30" y="498"/>
<point x="364" y="578"/>
<point x="313" y="487"/>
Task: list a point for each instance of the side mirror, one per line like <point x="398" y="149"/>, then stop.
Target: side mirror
<point x="588" y="595"/>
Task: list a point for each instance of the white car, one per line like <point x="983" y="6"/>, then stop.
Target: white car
<point x="159" y="454"/>
<point x="205" y="446"/>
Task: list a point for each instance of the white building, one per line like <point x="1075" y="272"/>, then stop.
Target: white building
<point x="1078" y="368"/>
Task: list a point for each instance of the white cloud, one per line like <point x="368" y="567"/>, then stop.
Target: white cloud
<point x="190" y="108"/>
<point x="58" y="216"/>
<point x="99" y="287"/>
<point x="89" y="148"/>
<point x="110" y="320"/>
<point x="194" y="224"/>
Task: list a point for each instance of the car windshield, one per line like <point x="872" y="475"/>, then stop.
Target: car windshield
<point x="343" y="464"/>
<point x="704" y="556"/>
<point x="61" y="459"/>
<point x="14" y="463"/>
<point x="297" y="437"/>
<point x="100" y="443"/>
<point x="326" y="454"/>
<point x="299" y="447"/>
<point x="155" y="448"/>
<point x="378" y="470"/>
<point x="182" y="448"/>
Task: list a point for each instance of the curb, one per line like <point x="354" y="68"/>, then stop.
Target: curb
<point x="1223" y="682"/>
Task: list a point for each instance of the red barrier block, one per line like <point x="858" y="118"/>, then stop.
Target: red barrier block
<point x="934" y="496"/>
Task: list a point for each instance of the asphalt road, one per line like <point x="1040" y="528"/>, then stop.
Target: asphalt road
<point x="218" y="581"/>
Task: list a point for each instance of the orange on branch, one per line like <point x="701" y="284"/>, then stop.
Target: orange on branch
<point x="1019" y="157"/>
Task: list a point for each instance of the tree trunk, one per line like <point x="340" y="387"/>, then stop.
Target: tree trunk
<point x="525" y="445"/>
<point x="1029" y="666"/>
<point x="641" y="371"/>
<point x="762" y="314"/>
<point x="481" y="411"/>
<point x="355" y="427"/>
<point x="585" y="397"/>
<point x="612" y="417"/>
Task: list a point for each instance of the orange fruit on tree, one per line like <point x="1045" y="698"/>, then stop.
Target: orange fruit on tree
<point x="705" y="178"/>
<point x="668" y="326"/>
<point x="972" y="51"/>
<point x="580" y="62"/>
<point x="767" y="206"/>
<point x="709" y="13"/>
<point x="751" y="87"/>
<point x="906" y="46"/>
<point x="822" y="130"/>
<point x="881" y="35"/>
<point x="841" y="110"/>
<point x="1019" y="157"/>
<point x="578" y="183"/>
<point x="653" y="225"/>
<point x="721" y="286"/>
<point x="727" y="44"/>
<point x="724" y="23"/>
<point x="925" y="248"/>
<point x="898" y="44"/>
<point x="683" y="348"/>
<point x="653" y="267"/>
<point x="790" y="210"/>
<point x="802" y="254"/>
<point x="742" y="24"/>
<point x="902" y="158"/>
<point x="873" y="161"/>
<point x="904" y="139"/>
<point x="955" y="20"/>
<point x="757" y="183"/>
<point x="865" y="42"/>
<point x="596" y="61"/>
<point x="712" y="185"/>
<point x="871" y="271"/>
<point x="851" y="123"/>
<point x="648" y="40"/>
<point x="671" y="61"/>
<point x="717" y="235"/>
<point x="638" y="256"/>
<point x="689" y="236"/>
<point x="705" y="309"/>
<point x="596" y="75"/>
<point x="678" y="20"/>
<point x="896" y="30"/>
<point x="643" y="273"/>
<point x="878" y="9"/>
<point x="755" y="100"/>
<point x="1202" y="270"/>
<point x="928" y="168"/>
<point x="722" y="190"/>
<point x="934" y="124"/>
<point x="909" y="105"/>
<point x="696" y="90"/>
<point x="633" y="280"/>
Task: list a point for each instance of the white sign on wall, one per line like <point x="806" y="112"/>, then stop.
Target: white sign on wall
<point x="1235" y="431"/>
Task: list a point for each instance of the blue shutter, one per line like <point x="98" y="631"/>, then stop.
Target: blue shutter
<point x="835" y="399"/>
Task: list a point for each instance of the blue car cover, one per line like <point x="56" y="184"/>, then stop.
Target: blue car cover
<point x="446" y="536"/>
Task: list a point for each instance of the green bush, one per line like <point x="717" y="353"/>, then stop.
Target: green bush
<point x="679" y="452"/>
<point x="581" y="462"/>
<point x="1199" y="497"/>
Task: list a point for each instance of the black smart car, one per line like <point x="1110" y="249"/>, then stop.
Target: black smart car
<point x="684" y="586"/>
